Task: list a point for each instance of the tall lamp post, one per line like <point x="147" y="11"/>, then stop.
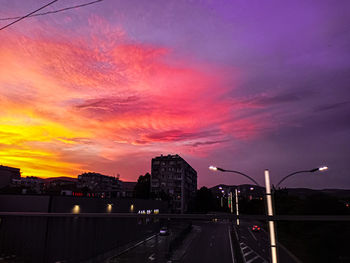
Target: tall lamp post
<point x="270" y="212"/>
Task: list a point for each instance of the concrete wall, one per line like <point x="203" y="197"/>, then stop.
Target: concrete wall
<point x="54" y="239"/>
<point x="65" y="204"/>
<point x="70" y="239"/>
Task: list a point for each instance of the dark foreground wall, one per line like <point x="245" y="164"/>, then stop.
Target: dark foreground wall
<point x="65" y="204"/>
<point x="70" y="239"/>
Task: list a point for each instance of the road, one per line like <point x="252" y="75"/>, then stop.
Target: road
<point x="212" y="244"/>
<point x="152" y="250"/>
<point x="255" y="245"/>
<point x="208" y="242"/>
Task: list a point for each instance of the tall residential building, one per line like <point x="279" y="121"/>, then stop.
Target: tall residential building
<point x="173" y="177"/>
<point x="7" y="174"/>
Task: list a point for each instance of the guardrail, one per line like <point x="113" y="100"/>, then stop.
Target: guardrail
<point x="185" y="216"/>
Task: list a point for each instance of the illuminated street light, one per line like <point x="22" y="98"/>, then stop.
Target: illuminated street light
<point x="214" y="168"/>
<point x="323" y="168"/>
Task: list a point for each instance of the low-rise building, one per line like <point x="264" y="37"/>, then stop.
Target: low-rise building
<point x="128" y="189"/>
<point x="31" y="184"/>
<point x="7" y="174"/>
<point x="99" y="185"/>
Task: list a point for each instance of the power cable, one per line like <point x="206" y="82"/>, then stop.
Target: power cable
<point x="55" y="11"/>
<point x="27" y="15"/>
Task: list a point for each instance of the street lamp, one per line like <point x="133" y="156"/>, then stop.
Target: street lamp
<point x="323" y="168"/>
<point x="214" y="168"/>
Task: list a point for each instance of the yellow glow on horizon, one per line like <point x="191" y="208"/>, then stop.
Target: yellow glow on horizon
<point x="30" y="142"/>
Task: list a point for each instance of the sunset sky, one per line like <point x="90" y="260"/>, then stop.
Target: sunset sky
<point x="244" y="85"/>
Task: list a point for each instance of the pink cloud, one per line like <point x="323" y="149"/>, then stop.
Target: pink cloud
<point x="111" y="97"/>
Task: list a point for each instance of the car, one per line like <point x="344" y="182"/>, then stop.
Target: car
<point x="255" y="228"/>
<point x="164" y="231"/>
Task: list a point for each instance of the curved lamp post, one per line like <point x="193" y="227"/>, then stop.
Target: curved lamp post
<point x="214" y="168"/>
<point x="305" y="171"/>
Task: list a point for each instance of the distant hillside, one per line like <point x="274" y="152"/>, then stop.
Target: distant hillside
<point x="340" y="193"/>
<point x="65" y="178"/>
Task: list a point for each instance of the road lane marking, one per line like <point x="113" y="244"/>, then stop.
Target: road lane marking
<point x="151" y="257"/>
<point x="250" y="231"/>
<point x="251" y="260"/>
<point x="132" y="247"/>
<point x="248" y="253"/>
<point x="229" y="235"/>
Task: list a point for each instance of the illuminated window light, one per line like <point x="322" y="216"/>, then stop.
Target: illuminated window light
<point x="76" y="209"/>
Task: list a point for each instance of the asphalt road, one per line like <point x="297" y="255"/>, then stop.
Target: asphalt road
<point x="212" y="244"/>
<point x="255" y="245"/>
<point x="152" y="250"/>
<point x="209" y="242"/>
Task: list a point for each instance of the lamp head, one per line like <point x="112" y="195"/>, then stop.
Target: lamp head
<point x="323" y="168"/>
<point x="213" y="168"/>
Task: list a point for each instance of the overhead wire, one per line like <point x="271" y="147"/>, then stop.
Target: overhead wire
<point x="22" y="17"/>
<point x="54" y="11"/>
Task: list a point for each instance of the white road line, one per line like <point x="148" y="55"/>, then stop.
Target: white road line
<point x="250" y="231"/>
<point x="229" y="235"/>
<point x="251" y="260"/>
<point x="248" y="253"/>
<point x="151" y="257"/>
<point x="137" y="244"/>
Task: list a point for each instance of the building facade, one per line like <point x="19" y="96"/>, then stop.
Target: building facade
<point x="175" y="179"/>
<point x="127" y="189"/>
<point x="7" y="174"/>
<point x="100" y="185"/>
<point x="32" y="183"/>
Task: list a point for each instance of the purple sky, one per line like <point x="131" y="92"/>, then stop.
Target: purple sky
<point x="244" y="85"/>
